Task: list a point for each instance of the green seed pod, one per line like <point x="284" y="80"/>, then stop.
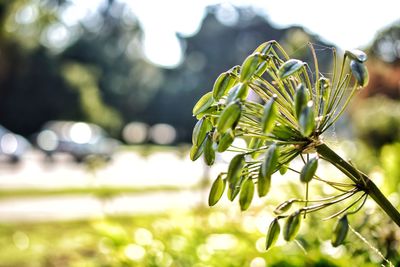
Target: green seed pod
<point x="356" y="54"/>
<point x="238" y="92"/>
<point x="224" y="82"/>
<point x="283" y="207"/>
<point x="235" y="70"/>
<point x="235" y="169"/>
<point x="203" y="104"/>
<point x="269" y="116"/>
<point x="261" y="69"/>
<point x="217" y="189"/>
<point x="308" y="171"/>
<point x="200" y="130"/>
<point x="270" y="161"/>
<point x="209" y="153"/>
<point x="229" y="117"/>
<point x="246" y="194"/>
<point x="274" y="230"/>
<point x="250" y="66"/>
<point x="233" y="191"/>
<point x="267" y="168"/>
<point x="265" y="48"/>
<point x="292" y="226"/>
<point x="226" y="140"/>
<point x="340" y="231"/>
<point x="196" y="151"/>
<point x="300" y="99"/>
<point x="212" y="110"/>
<point x="290" y="67"/>
<point x="360" y="72"/>
<point x="307" y="120"/>
<point x="283" y="169"/>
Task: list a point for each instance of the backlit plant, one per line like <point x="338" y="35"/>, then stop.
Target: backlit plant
<point x="296" y="108"/>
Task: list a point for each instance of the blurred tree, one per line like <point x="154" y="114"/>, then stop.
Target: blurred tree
<point x="221" y="42"/>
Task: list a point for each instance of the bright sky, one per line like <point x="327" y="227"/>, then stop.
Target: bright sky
<point x="349" y="24"/>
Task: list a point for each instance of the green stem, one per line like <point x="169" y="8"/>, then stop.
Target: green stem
<point x="362" y="181"/>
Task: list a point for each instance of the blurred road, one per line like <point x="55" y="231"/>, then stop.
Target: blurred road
<point x="127" y="169"/>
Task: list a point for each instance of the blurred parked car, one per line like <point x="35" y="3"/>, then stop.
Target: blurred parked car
<point x="78" y="139"/>
<point x="12" y="145"/>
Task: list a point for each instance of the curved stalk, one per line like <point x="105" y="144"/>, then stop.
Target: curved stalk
<point x="361" y="180"/>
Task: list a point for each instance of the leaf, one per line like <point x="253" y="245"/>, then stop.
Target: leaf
<point x="360" y="72"/>
<point x="224" y="82"/>
<point x="217" y="189"/>
<point x="225" y="140"/>
<point x="300" y="99"/>
<point x="290" y="67"/>
<point x="356" y="54"/>
<point x="274" y="230"/>
<point x="340" y="231"/>
<point x="269" y="115"/>
<point x="249" y="66"/>
<point x="266" y="47"/>
<point x="246" y="194"/>
<point x="229" y="117"/>
<point x="292" y="226"/>
<point x="308" y="170"/>
<point x="200" y="130"/>
<point x="307" y="120"/>
<point x="209" y="153"/>
<point x="203" y="104"/>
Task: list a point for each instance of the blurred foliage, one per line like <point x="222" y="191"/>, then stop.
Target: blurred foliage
<point x="94" y="69"/>
<point x="198" y="238"/>
<point x="376" y="121"/>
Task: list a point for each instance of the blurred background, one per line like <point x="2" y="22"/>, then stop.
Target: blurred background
<point x="96" y="103"/>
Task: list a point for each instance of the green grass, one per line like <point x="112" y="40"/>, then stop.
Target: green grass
<point x="201" y="237"/>
<point x="96" y="191"/>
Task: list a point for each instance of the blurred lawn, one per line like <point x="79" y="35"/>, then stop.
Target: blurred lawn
<point x="202" y="237"/>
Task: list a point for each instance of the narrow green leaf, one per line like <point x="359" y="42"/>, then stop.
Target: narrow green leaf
<point x="203" y="104"/>
<point x="246" y="194"/>
<point x="229" y="117"/>
<point x="360" y="72"/>
<point x="356" y="54"/>
<point x="274" y="230"/>
<point x="250" y="66"/>
<point x="300" y="99"/>
<point x="290" y="67"/>
<point x="209" y="153"/>
<point x="292" y="226"/>
<point x="235" y="169"/>
<point x="269" y="115"/>
<point x="217" y="189"/>
<point x="200" y="130"/>
<point x="224" y="82"/>
<point x="308" y="170"/>
<point x="307" y="120"/>
<point x="340" y="231"/>
<point x="225" y="140"/>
